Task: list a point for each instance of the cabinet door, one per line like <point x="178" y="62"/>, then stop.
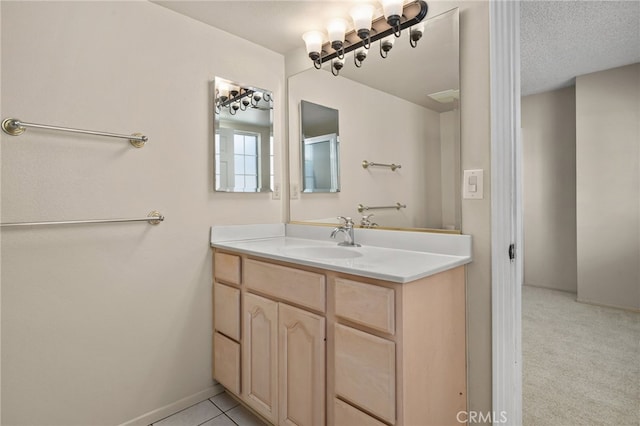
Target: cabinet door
<point x="301" y="354"/>
<point x="260" y="355"/>
<point x="365" y="371"/>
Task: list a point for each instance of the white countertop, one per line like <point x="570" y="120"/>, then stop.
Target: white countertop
<point x="397" y="256"/>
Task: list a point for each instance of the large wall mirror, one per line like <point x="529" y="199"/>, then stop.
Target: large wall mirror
<point x="320" y="145"/>
<point x="243" y="123"/>
<point x="401" y="110"/>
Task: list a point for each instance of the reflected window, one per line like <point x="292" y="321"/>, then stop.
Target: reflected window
<point x="245" y="156"/>
<point x="237" y="166"/>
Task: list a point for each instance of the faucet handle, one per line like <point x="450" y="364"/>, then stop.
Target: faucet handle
<point x="365" y="222"/>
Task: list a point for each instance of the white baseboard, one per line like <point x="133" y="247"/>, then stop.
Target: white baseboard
<point x="162" y="412"/>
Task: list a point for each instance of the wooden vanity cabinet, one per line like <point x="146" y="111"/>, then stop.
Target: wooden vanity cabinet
<point x="304" y="346"/>
<point x="397" y="351"/>
<point x="282" y="342"/>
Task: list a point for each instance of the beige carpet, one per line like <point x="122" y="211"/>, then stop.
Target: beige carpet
<point x="581" y="363"/>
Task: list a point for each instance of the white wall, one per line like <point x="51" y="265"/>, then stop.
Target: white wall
<point x="103" y="323"/>
<point x="608" y="186"/>
<point x="475" y="146"/>
<point x="402" y="133"/>
<point x="549" y="183"/>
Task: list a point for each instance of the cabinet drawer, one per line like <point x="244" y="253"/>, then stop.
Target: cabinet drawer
<point x="345" y="415"/>
<point x="226" y="310"/>
<point x="226" y="267"/>
<point x="294" y="285"/>
<point x="365" y="371"/>
<point x="367" y="304"/>
<point x="226" y="362"/>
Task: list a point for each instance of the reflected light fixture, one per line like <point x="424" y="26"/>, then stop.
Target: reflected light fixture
<point x="385" y="45"/>
<point x="415" y="34"/>
<point x="234" y="98"/>
<point x="359" y="56"/>
<point x="336" y="65"/>
<point x="337" y="42"/>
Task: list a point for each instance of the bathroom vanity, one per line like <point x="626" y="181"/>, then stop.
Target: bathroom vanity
<point x="308" y="333"/>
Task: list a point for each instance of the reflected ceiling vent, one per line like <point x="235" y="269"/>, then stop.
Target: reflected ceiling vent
<point x="446" y="96"/>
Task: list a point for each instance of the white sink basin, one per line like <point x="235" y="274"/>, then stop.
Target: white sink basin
<point x="323" y="252"/>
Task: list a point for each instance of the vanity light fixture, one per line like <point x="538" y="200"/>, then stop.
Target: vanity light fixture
<point x="333" y="46"/>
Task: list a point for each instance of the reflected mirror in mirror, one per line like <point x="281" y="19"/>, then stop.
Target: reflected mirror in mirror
<point x="320" y="148"/>
<point x="401" y="110"/>
<point x="243" y="126"/>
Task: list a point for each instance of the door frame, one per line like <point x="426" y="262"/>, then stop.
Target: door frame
<point x="506" y="213"/>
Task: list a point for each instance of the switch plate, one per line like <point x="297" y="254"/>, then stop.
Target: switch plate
<point x="295" y="194"/>
<point x="472" y="187"/>
<point x="275" y="195"/>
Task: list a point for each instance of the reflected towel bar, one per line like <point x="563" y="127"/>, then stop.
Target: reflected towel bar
<point x="15" y="127"/>
<point x="393" y="167"/>
<point x="398" y="206"/>
<point x="152" y="218"/>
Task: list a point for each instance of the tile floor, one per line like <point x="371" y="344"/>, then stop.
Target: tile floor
<point x="220" y="410"/>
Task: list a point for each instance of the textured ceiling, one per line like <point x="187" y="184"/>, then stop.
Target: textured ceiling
<point x="559" y="39"/>
<point x="564" y="39"/>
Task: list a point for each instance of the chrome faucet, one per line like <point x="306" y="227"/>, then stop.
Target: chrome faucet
<point x="347" y="229"/>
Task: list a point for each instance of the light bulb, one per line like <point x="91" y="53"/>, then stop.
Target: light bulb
<point x="362" y="15"/>
<point x="392" y="7"/>
<point x="392" y="11"/>
<point x="336" y="29"/>
<point x="313" y="42"/>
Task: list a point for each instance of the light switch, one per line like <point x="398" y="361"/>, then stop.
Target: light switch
<point x="275" y="195"/>
<point x="295" y="194"/>
<point x="472" y="188"/>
